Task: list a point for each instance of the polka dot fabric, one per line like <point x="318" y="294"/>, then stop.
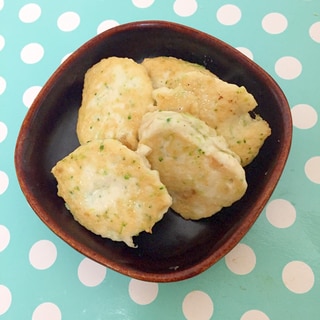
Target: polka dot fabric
<point x="272" y="274"/>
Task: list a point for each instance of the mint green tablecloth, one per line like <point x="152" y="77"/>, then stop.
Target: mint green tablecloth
<point x="273" y="273"/>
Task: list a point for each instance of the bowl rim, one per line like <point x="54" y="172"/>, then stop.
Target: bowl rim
<point x="174" y="275"/>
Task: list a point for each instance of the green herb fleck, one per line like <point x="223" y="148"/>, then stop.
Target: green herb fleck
<point x="127" y="176"/>
<point x="123" y="225"/>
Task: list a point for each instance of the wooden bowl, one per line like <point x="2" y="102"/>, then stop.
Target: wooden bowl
<point x="177" y="249"/>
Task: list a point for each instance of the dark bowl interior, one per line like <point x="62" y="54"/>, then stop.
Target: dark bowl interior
<point x="177" y="249"/>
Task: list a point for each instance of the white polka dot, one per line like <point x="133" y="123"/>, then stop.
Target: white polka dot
<point x="65" y="57"/>
<point x="1" y="4"/>
<point x="29" y="95"/>
<point x="106" y="25"/>
<point x="142" y="3"/>
<point x="68" y="21"/>
<point x="314" y="32"/>
<point x="4" y="182"/>
<point x="241" y="259"/>
<point x="288" y="68"/>
<point x="32" y="53"/>
<point x="197" y="305"/>
<point x="281" y="213"/>
<point x="312" y="169"/>
<point x="3" y="131"/>
<point x="42" y="254"/>
<point x="47" y="311"/>
<point x="3" y="85"/>
<point x="30" y="13"/>
<point x="298" y="277"/>
<point x="2" y="42"/>
<point x="185" y="8"/>
<point x="142" y="292"/>
<point x="304" y="116"/>
<point x="274" y="23"/>
<point x="91" y="273"/>
<point x="229" y="14"/>
<point x="4" y="237"/>
<point x="5" y="299"/>
<point x="254" y="315"/>
<point x="246" y="52"/>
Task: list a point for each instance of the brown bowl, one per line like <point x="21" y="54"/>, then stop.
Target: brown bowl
<point x="177" y="249"/>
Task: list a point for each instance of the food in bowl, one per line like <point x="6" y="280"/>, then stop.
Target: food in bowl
<point x="178" y="248"/>
<point x="117" y="92"/>
<point x="106" y="182"/>
<point x="197" y="166"/>
<point x="187" y="87"/>
<point x="111" y="190"/>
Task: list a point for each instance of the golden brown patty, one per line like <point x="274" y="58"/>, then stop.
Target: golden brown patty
<point x="166" y="71"/>
<point x="182" y="87"/>
<point x="111" y="190"/>
<point x="117" y="93"/>
<point x="201" y="173"/>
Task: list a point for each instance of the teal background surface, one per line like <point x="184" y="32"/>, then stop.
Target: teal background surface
<point x="273" y="273"/>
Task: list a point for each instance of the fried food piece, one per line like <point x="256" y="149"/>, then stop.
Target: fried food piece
<point x="199" y="170"/>
<point x="166" y="71"/>
<point x="111" y="190"/>
<point x="117" y="92"/>
<point x="245" y="135"/>
<point x="223" y="106"/>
